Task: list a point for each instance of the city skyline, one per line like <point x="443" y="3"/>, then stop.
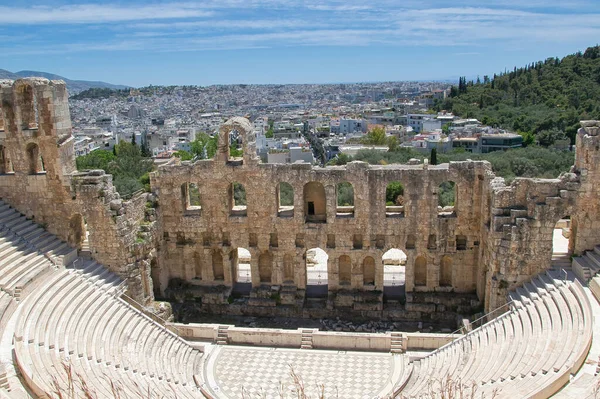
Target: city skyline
<point x="279" y="41"/>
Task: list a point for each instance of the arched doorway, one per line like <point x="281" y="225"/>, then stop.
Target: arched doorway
<point x="316" y="273"/>
<point x="242" y="272"/>
<point x="561" y="235"/>
<point x="394" y="275"/>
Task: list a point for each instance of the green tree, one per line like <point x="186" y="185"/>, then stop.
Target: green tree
<point x="375" y="137"/>
<point x="433" y="156"/>
<point x="394" y="194"/>
<point x="345" y="194"/>
<point x="392" y="143"/>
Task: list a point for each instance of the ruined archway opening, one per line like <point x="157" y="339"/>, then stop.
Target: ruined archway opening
<point x="241" y="263"/>
<point x="285" y="200"/>
<point x="237" y="199"/>
<point x="345" y="200"/>
<point x="394" y="275"/>
<point x="317" y="277"/>
<point x="315" y="205"/>
<point x="447" y="198"/>
<point x="394" y="200"/>
<point x="561" y="235"/>
<point x="35" y="163"/>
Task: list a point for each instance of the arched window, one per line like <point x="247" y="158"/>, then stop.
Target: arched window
<point x="237" y="199"/>
<point x="420" y="271"/>
<point x="446" y="271"/>
<point x="217" y="264"/>
<point x="447" y="199"/>
<point x="315" y="204"/>
<point x="34" y="159"/>
<point x="345" y="200"/>
<point x="394" y="199"/>
<point x="285" y="200"/>
<point x="345" y="270"/>
<point x="369" y="271"/>
<point x="265" y="267"/>
<point x="240" y="129"/>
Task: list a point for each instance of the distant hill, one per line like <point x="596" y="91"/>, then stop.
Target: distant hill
<point x="544" y="100"/>
<point x="74" y="86"/>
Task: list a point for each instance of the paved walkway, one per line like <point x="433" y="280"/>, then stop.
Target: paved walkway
<point x="235" y="372"/>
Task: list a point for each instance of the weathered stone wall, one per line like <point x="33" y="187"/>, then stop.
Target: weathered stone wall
<point x="495" y="237"/>
<point x="38" y="177"/>
<point x="585" y="223"/>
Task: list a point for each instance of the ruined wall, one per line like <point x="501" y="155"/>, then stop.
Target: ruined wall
<point x="585" y="224"/>
<point x="494" y="238"/>
<point x="38" y="177"/>
<point x="497" y="236"/>
<point x="192" y="237"/>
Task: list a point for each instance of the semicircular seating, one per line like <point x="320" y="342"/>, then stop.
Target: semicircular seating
<point x="109" y="345"/>
<point x="529" y="351"/>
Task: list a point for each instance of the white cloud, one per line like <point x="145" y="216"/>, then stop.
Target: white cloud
<point x="92" y="13"/>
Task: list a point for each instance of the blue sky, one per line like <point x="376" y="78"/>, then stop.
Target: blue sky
<point x="283" y="41"/>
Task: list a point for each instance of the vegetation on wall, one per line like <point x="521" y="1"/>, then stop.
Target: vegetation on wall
<point x="127" y="164"/>
<point x="546" y="99"/>
<point x="532" y="161"/>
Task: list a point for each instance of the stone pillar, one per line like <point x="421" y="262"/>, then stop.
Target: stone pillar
<point x="585" y="222"/>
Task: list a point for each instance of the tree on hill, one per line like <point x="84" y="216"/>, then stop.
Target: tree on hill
<point x="551" y="95"/>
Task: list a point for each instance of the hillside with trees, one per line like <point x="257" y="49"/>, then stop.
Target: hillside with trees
<point x="544" y="101"/>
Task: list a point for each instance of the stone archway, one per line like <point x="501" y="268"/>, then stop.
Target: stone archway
<point x="244" y="128"/>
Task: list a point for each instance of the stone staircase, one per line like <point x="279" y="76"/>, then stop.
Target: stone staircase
<point x="397" y="342"/>
<point x="587" y="265"/>
<point x="222" y="335"/>
<point x="307" y="341"/>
